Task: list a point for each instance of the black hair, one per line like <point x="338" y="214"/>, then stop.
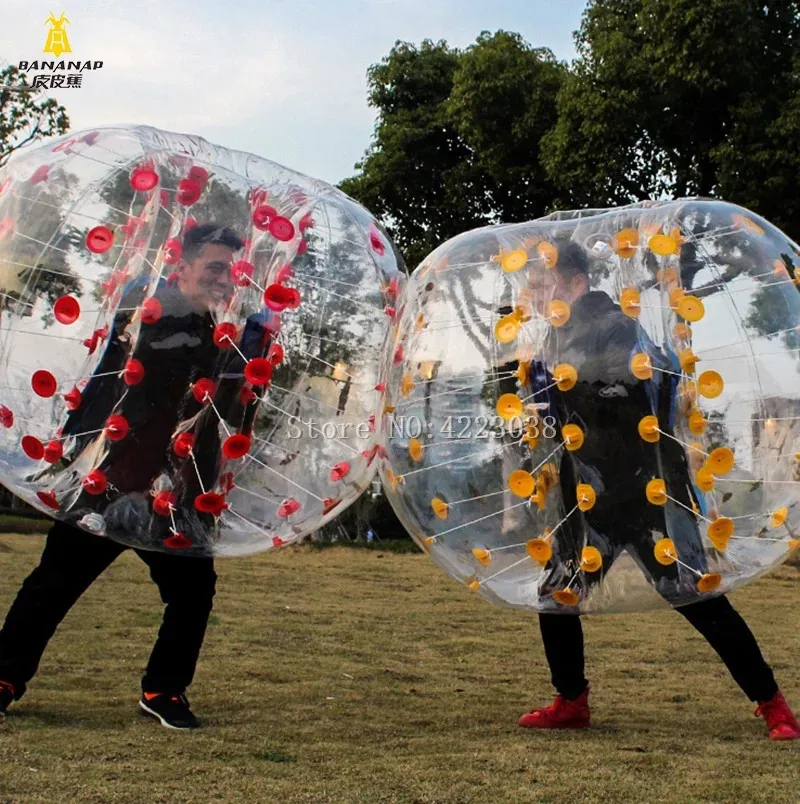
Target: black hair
<point x="572" y="260"/>
<point x="202" y="235"/>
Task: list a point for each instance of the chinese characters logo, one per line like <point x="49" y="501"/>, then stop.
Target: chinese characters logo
<point x="57" y="39"/>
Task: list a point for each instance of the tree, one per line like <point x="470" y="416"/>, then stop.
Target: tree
<point x="456" y="143"/>
<point x="24" y="116"/>
<point x="682" y="97"/>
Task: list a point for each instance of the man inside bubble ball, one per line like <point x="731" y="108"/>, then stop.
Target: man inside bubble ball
<point x="173" y="351"/>
<point x="598" y="340"/>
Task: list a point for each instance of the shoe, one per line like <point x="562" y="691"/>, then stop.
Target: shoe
<point x="781" y="722"/>
<point x="172" y="710"/>
<point x="6" y="698"/>
<point x="562" y="714"/>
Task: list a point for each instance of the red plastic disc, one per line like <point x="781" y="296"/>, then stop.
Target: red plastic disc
<point x="163" y="197"/>
<point x="285" y="272"/>
<point x="340" y="471"/>
<point x="177" y="542"/>
<point x="133" y="373"/>
<point x="257" y="197"/>
<point x="49" y="499"/>
<point x="306" y="222"/>
<point x="302" y="248"/>
<point x="376" y="242"/>
<point x="210" y="503"/>
<point x="53" y="451"/>
<point x="199" y="175"/>
<point x="143" y="179"/>
<point x="277" y="541"/>
<point x="44" y="383"/>
<point x="183" y="444"/>
<point x="258" y="371"/>
<point x="241" y="272"/>
<point x="328" y="504"/>
<point x="279" y="297"/>
<point x="73" y="399"/>
<point x="204" y="390"/>
<point x="227" y="482"/>
<point x="151" y="310"/>
<point x="6" y="416"/>
<point x="6" y="228"/>
<point x="99" y="240"/>
<point x="95" y="482"/>
<point x="189" y="224"/>
<point x="117" y="427"/>
<point x="391" y="289"/>
<point x="67" y="310"/>
<point x="40" y="174"/>
<point x="32" y="447"/>
<point x="263" y="215"/>
<point x="398" y="355"/>
<point x="246" y="395"/>
<point x="90" y="138"/>
<point x="390" y="311"/>
<point x="275" y="354"/>
<point x="189" y="192"/>
<point x="288" y="507"/>
<point x="64" y="146"/>
<point x="4" y="185"/>
<point x="225" y="334"/>
<point x="371" y="423"/>
<point x="173" y="251"/>
<point x="281" y="228"/>
<point x="162" y="502"/>
<point x="236" y="446"/>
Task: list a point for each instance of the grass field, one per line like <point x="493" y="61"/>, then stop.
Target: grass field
<point x="359" y="676"/>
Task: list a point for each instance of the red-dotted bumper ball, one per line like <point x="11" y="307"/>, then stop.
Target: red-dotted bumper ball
<point x="190" y="339"/>
<point x="600" y="410"/>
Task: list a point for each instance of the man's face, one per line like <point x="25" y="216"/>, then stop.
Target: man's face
<point x="206" y="280"/>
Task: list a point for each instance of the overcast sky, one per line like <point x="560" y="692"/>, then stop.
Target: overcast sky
<point x="285" y="79"/>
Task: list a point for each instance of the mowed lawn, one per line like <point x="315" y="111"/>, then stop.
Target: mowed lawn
<point x="348" y="675"/>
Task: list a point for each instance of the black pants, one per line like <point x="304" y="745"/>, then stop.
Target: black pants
<point x="71" y="561"/>
<point x="721" y="625"/>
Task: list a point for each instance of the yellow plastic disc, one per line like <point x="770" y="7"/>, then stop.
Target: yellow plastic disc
<point x="688" y="360"/>
<point x="641" y="367"/>
<point x="473" y="584"/>
<point x="558" y="312"/>
<point x="407" y="386"/>
<point x="566" y="376"/>
<point x="566" y="597"/>
<point x="665" y="552"/>
<point x="682" y="331"/>
<point x="779" y="517"/>
<point x="509" y="406"/>
<point x="648" y="429"/>
<point x="506" y="329"/>
<point x="522" y="373"/>
<point x="586" y="496"/>
<point x="427" y="543"/>
<point x="591" y="559"/>
<point x="697" y="422"/>
<point x="415" y="449"/>
<point x="688" y="391"/>
<point x="741" y="222"/>
<point x="573" y="436"/>
<point x="419" y="324"/>
<point x="675" y="296"/>
<point x="482" y="556"/>
<point x="549" y="476"/>
<point x="539" y="498"/>
<point x="720" y="532"/>
<point x="709" y="582"/>
<point x="539" y="550"/>
<point x="440" y="508"/>
<point x="720" y="461"/>
<point x="710" y="384"/>
<point x="656" y="491"/>
<point x="549" y="254"/>
<point x="387" y="408"/>
<point x="514" y="260"/>
<point x="626" y="243"/>
<point x="704" y="479"/>
<point x="521" y="483"/>
<point x="794" y="545"/>
<point x="393" y="479"/>
<point x="691" y="308"/>
<point x="676" y="235"/>
<point x="667" y="275"/>
<point x="663" y="245"/>
<point x="531" y="437"/>
<point x="630" y="302"/>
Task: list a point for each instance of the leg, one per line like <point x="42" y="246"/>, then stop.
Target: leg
<point x="729" y="635"/>
<point x="71" y="561"/>
<point x="562" y="635"/>
<point x="187" y="588"/>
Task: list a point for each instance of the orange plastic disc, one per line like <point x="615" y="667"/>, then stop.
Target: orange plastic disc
<point x="794" y="545"/>
<point x="415" y="449"/>
<point x="521" y="483"/>
<point x="558" y="312"/>
<point x="710" y="384"/>
<point x="407" y="386"/>
<point x="675" y="296"/>
<point x="522" y="373"/>
<point x="720" y="461"/>
<point x="440" y="508"/>
<point x="473" y="584"/>
<point x="740" y="222"/>
<point x="709" y="582"/>
<point x="566" y="376"/>
<point x="514" y="260"/>
<point x="549" y="254"/>
<point x="586" y="496"/>
<point x="573" y="436"/>
<point x="663" y="245"/>
<point x="779" y="517"/>
<point x="509" y="406"/>
<point x="566" y="597"/>
<point x="665" y="552"/>
<point x="697" y="422"/>
<point x="648" y="429"/>
<point x="704" y="479"/>
<point x="682" y="331"/>
<point x="688" y="360"/>
<point x="667" y="275"/>
<point x="626" y="242"/>
<point x="691" y="308"/>
<point x="427" y="543"/>
<point x="720" y="532"/>
<point x="591" y="559"/>
<point x="482" y="556"/>
<point x="630" y="302"/>
<point x="641" y="367"/>
<point x="506" y="328"/>
<point x="539" y="550"/>
<point x="656" y="491"/>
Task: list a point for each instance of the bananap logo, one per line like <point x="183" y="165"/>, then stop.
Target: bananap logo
<point x="59" y="73"/>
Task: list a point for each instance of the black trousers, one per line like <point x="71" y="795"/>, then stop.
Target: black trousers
<point x="71" y="562"/>
<point x="715" y="618"/>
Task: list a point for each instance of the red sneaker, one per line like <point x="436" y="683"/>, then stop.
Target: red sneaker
<point x="781" y="722"/>
<point x="562" y="714"/>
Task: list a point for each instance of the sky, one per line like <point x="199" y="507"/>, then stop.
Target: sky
<point x="284" y="79"/>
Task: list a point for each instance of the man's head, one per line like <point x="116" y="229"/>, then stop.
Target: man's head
<point x="204" y="270"/>
<point x="568" y="280"/>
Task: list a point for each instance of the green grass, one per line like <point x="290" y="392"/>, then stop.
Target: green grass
<point x="11" y="523"/>
<point x="362" y="676"/>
